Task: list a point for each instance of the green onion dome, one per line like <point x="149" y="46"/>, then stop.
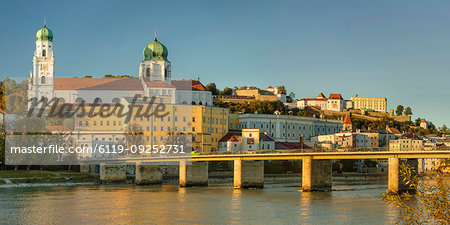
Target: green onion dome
<point x="155" y="51"/>
<point x="44" y="34"/>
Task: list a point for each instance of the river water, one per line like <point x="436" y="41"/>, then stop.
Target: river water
<point x="277" y="203"/>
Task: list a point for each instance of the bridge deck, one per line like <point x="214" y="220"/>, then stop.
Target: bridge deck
<point x="283" y="156"/>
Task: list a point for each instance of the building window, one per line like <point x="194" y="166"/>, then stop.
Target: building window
<point x="43" y="80"/>
<point x="44" y="53"/>
<point x="147" y="72"/>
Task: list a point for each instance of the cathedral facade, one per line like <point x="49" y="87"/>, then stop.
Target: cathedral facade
<point x="155" y="79"/>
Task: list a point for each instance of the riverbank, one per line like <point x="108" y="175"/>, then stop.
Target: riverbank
<point x="26" y="178"/>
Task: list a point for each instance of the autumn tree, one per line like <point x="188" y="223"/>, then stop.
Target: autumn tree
<point x="428" y="200"/>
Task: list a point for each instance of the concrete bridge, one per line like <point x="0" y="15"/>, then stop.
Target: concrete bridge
<point x="249" y="168"/>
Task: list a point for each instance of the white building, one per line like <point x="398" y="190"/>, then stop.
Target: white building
<point x="155" y="79"/>
<point x="247" y="140"/>
<point x="286" y="128"/>
<point x="334" y="102"/>
<point x="276" y="91"/>
<point x="405" y="144"/>
<point x="346" y="140"/>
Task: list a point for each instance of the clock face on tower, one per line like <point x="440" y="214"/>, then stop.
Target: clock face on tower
<point x="44" y="67"/>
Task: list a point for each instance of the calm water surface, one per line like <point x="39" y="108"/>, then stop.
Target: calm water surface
<point x="216" y="204"/>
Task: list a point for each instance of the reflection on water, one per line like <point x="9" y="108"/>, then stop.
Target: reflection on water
<point x="218" y="203"/>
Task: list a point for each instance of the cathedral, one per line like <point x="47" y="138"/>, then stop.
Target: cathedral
<point x="155" y="79"/>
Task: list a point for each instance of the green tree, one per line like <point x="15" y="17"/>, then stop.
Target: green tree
<point x="212" y="88"/>
<point x="282" y="89"/>
<point x="444" y="129"/>
<point x="227" y="91"/>
<point x="399" y="110"/>
<point x="408" y="111"/>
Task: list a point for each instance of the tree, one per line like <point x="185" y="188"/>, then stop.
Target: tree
<point x="399" y="110"/>
<point x="118" y="76"/>
<point x="431" y="202"/>
<point x="282" y="89"/>
<point x="15" y="95"/>
<point x="212" y="88"/>
<point x="227" y="91"/>
<point x="2" y="96"/>
<point x="134" y="135"/>
<point x="444" y="129"/>
<point x="408" y="111"/>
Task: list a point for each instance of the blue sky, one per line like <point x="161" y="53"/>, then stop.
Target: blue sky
<point x="394" y="49"/>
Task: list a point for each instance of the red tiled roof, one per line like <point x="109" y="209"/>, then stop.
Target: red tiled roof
<point x="393" y="130"/>
<point x="97" y="84"/>
<point x="321" y="95"/>
<point x="412" y="136"/>
<point x="423" y="121"/>
<point x="188" y="85"/>
<point x="314" y="99"/>
<point x="157" y="83"/>
<point x="335" y="96"/>
<point x="290" y="145"/>
<point x="347" y="119"/>
<point x="265" y="137"/>
<point x="230" y="136"/>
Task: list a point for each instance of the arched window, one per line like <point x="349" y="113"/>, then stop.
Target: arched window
<point x="200" y="103"/>
<point x="165" y="73"/>
<point x="42" y="80"/>
<point x="116" y="100"/>
<point x="61" y="100"/>
<point x="43" y="53"/>
<point x="147" y="72"/>
<point x="184" y="103"/>
<point x="193" y="103"/>
<point x="98" y="100"/>
<point x="79" y="100"/>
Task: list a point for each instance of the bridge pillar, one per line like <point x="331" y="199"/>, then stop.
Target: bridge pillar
<point x="148" y="174"/>
<point x="396" y="184"/>
<point x="248" y="174"/>
<point x="111" y="173"/>
<point x="195" y="174"/>
<point x="316" y="175"/>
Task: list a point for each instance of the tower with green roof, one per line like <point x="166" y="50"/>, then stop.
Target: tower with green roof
<point x="41" y="77"/>
<point x="155" y="65"/>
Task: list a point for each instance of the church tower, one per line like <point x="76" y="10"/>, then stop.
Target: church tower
<point x="155" y="65"/>
<point x="347" y="123"/>
<point x="41" y="78"/>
